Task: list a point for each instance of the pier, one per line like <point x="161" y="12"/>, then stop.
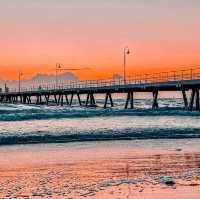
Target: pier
<point x="63" y="94"/>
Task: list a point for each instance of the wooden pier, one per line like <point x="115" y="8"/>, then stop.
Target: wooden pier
<point x="180" y="81"/>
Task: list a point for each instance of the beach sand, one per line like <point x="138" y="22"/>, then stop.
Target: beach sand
<point x="153" y="169"/>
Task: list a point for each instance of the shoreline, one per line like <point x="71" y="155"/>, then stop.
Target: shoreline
<point x="146" y="169"/>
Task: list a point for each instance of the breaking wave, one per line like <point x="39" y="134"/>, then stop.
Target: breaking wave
<point x="26" y="124"/>
<point x="10" y="112"/>
<point x="109" y="134"/>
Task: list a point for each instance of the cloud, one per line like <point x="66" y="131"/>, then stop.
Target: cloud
<point x="40" y="79"/>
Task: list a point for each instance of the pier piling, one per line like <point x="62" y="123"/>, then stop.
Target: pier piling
<point x="155" y="99"/>
<point x="71" y="100"/>
<point x="129" y="99"/>
<point x="185" y="99"/>
<point x="90" y="101"/>
<point x="79" y="99"/>
<point x="108" y="96"/>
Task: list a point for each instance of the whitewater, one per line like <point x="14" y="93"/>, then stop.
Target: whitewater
<point x="25" y="124"/>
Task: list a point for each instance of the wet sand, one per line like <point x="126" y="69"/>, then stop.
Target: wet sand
<point x="153" y="169"/>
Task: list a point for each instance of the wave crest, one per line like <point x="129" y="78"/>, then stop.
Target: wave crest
<point x="120" y="134"/>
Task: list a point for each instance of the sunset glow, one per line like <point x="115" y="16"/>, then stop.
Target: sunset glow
<point x="37" y="34"/>
<point x="100" y="99"/>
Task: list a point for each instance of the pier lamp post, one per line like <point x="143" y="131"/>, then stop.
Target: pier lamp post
<point x="19" y="76"/>
<point x="58" y="66"/>
<point x="126" y="52"/>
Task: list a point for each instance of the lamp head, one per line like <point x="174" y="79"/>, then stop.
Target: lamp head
<point x="58" y="65"/>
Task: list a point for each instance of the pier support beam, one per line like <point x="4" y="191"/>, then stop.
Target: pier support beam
<point x="58" y="99"/>
<point x="55" y="99"/>
<point x="155" y="99"/>
<point x="194" y="98"/>
<point x="129" y="99"/>
<point x="61" y="100"/>
<point x="108" y="96"/>
<point x="185" y="99"/>
<point x="1" y="99"/>
<point x="21" y="99"/>
<point x="9" y="99"/>
<point x="47" y="99"/>
<point x="67" y="100"/>
<point x="71" y="100"/>
<point x="79" y="99"/>
<point x="29" y="99"/>
<point x="90" y="101"/>
<point x="38" y="99"/>
<point x="6" y="99"/>
<point x="197" y="100"/>
<point x="16" y="99"/>
<point x="24" y="99"/>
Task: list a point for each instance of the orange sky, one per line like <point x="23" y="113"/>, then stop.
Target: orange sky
<point x="162" y="35"/>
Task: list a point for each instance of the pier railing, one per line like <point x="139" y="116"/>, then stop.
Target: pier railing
<point x="176" y="75"/>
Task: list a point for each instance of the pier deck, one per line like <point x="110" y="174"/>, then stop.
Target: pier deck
<point x="181" y="81"/>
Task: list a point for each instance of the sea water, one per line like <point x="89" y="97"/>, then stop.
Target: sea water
<point x="77" y="152"/>
<point x="24" y="124"/>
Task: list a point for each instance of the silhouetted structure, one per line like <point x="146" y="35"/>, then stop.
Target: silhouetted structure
<point x="184" y="80"/>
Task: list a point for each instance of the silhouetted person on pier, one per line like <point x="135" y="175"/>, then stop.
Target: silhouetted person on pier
<point x="40" y="87"/>
<point x="6" y="88"/>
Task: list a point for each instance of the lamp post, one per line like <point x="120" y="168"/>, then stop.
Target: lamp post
<point x="20" y="75"/>
<point x="58" y="66"/>
<point x="126" y="52"/>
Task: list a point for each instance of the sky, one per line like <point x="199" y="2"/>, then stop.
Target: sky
<point x="36" y="34"/>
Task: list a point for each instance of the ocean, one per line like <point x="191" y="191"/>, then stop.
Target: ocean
<point x="25" y="124"/>
<point x="96" y="153"/>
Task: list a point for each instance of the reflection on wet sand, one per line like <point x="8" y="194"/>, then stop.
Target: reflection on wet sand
<point x="111" y="176"/>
